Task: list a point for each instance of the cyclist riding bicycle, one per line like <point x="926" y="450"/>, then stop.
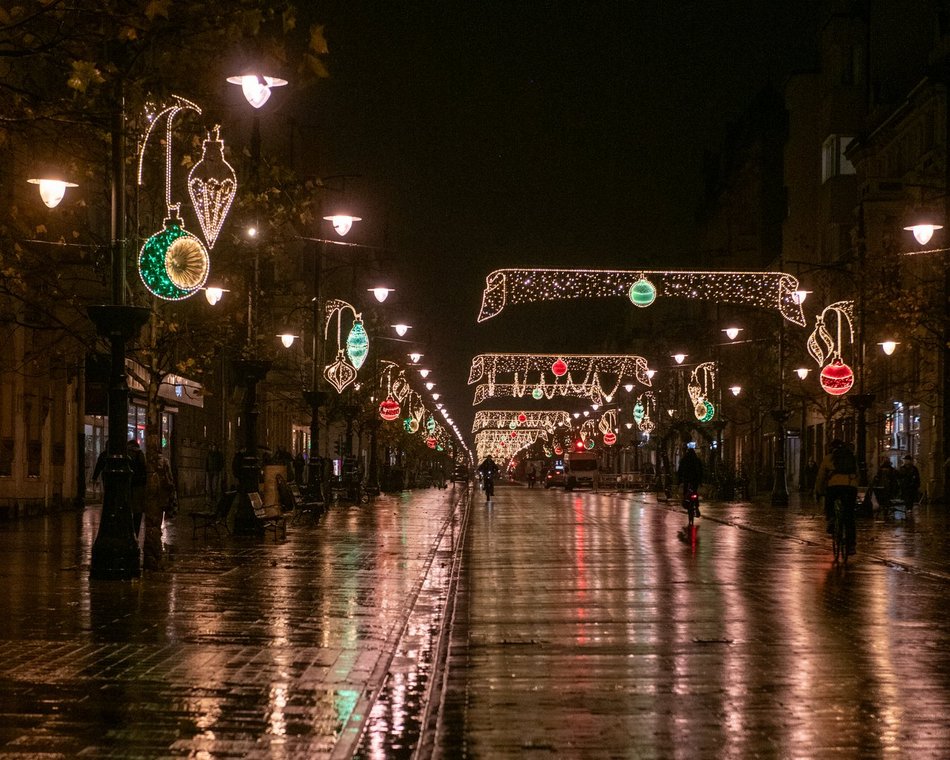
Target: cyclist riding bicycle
<point x="489" y="471"/>
<point x="690" y="474"/>
<point x="837" y="480"/>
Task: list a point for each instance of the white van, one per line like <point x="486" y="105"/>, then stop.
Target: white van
<point x="580" y="469"/>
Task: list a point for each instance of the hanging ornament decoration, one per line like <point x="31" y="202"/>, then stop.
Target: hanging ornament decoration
<point x="704" y="411"/>
<point x="700" y="388"/>
<point x="638" y="411"/>
<point x="513" y="424"/>
<point x="173" y="264"/>
<point x="430" y="424"/>
<point x="558" y="450"/>
<point x="212" y="185"/>
<point x="642" y="293"/>
<point x="548" y="453"/>
<point x="410" y="424"/>
<point x="522" y="418"/>
<point x="430" y="442"/>
<point x="647" y="426"/>
<point x="610" y="438"/>
<point x="537" y="394"/>
<point x="589" y="444"/>
<point x="764" y="290"/>
<point x="499" y="418"/>
<point x="340" y="373"/>
<point x="343" y="370"/>
<point x="357" y="343"/>
<point x="837" y="377"/>
<point x="559" y="368"/>
<point x="389" y="409"/>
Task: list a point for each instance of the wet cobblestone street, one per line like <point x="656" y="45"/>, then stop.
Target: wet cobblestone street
<point x="550" y="624"/>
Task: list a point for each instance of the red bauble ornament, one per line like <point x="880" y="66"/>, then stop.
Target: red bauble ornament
<point x="389" y="409"/>
<point x="558" y="450"/>
<point x="610" y="438"/>
<point x="837" y="378"/>
<point x="559" y="368"/>
<point x="522" y="418"/>
<point x="430" y="442"/>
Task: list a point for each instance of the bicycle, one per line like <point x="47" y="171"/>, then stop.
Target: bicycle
<point x="489" y="487"/>
<point x="839" y="533"/>
<point x="691" y="503"/>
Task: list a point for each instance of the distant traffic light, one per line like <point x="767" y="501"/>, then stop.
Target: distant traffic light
<point x="579" y="445"/>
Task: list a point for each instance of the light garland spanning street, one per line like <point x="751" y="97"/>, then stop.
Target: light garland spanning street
<point x="503" y="444"/>
<point x="486" y="391"/>
<point x="559" y="365"/>
<point x="500" y="419"/>
<point x="766" y="290"/>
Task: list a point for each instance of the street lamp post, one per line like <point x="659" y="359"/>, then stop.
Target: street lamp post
<point x="115" y="552"/>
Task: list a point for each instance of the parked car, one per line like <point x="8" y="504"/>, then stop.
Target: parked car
<point x="553" y="477"/>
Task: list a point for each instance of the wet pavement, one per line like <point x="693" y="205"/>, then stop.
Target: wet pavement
<point x="578" y="625"/>
<point x="598" y="625"/>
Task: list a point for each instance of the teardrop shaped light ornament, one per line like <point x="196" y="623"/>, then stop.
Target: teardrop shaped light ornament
<point x="357" y="344"/>
<point x="339" y="374"/>
<point x="638" y="412"/>
<point x="212" y="185"/>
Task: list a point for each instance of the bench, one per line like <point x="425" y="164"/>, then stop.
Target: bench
<point x="294" y="503"/>
<point x="216" y="518"/>
<point x="269" y="517"/>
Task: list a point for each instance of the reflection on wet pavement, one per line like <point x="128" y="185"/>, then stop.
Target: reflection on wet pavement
<point x="246" y="648"/>
<point x="595" y="625"/>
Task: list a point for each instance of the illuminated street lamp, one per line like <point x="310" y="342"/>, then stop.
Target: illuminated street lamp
<point x="380" y="293"/>
<point x="343" y="223"/>
<point x="888" y="346"/>
<point x="256" y="87"/>
<point x="214" y="294"/>
<point x="287" y="339"/>
<point x="401" y="329"/>
<point x="52" y="189"/>
<point x="732" y="332"/>
<point x="679" y="358"/>
<point x="923" y="227"/>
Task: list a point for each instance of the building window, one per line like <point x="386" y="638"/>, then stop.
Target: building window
<point x="833" y="161"/>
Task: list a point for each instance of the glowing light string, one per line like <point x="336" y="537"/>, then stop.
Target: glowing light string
<point x="766" y="290"/>
<point x="821" y="344"/>
<point x="502" y="444"/>
<point x="341" y="371"/>
<point x="498" y="419"/>
<point x="486" y="391"/>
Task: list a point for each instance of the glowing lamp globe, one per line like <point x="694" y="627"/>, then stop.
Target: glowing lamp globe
<point x="343" y="223"/>
<point x="389" y="409"/>
<point x="837" y="378"/>
<point x="52" y="190"/>
<point x="559" y="368"/>
<point x="642" y="293"/>
<point x="924" y="232"/>
<point x="610" y="438"/>
<point x="256" y="88"/>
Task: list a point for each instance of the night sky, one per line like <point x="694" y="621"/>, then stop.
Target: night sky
<point x="491" y="134"/>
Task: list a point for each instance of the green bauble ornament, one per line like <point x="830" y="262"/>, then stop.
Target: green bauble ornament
<point x="537" y="394"/>
<point x="642" y="293"/>
<point x="173" y="263"/>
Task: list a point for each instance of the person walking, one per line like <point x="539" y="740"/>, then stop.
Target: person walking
<point x="161" y="498"/>
<point x="908" y="477"/>
<point x="138" y="484"/>
<point x="885" y="485"/>
<point x="837" y="480"/>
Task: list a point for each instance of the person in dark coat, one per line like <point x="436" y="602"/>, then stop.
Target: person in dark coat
<point x="690" y="472"/>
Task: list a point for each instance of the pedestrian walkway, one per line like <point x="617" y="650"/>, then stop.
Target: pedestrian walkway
<point x="244" y="648"/>
<point x="600" y="626"/>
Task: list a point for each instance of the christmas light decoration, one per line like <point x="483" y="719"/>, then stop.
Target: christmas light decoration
<point x="486" y="391"/>
<point x="766" y="290"/>
<point x="173" y="264"/>
<point x="638" y="412"/>
<point x="610" y="438"/>
<point x="389" y="409"/>
<point x="212" y="185"/>
<point x="836" y="377"/>
<point x="342" y="371"/>
<point x="701" y="386"/>
<point x="559" y="368"/>
<point x="537" y="394"/>
<point x="357" y="344"/>
<point x="498" y="418"/>
<point x="642" y="293"/>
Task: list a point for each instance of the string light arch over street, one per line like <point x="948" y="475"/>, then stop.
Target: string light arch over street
<point x="766" y="290"/>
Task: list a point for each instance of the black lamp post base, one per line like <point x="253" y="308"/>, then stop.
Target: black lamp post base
<point x="115" y="552"/>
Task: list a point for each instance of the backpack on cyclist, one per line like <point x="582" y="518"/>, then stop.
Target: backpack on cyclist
<point x="843" y="460"/>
